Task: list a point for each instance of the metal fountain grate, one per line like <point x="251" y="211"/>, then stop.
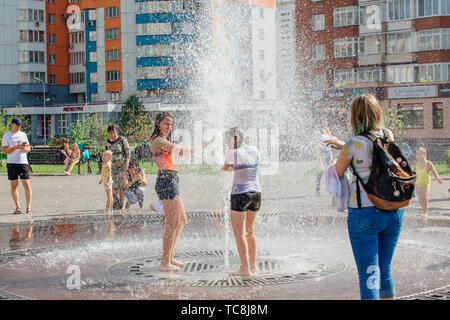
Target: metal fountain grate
<point x="437" y="294"/>
<point x="206" y="269"/>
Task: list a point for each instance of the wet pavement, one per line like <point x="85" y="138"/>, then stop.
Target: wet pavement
<point x="303" y="246"/>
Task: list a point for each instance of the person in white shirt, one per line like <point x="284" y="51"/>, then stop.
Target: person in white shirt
<point x="15" y="145"/>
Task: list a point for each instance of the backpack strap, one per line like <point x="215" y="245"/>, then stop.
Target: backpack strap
<point x="358" y="190"/>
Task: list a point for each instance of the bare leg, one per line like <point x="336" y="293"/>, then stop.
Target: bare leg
<point x="172" y="221"/>
<point x="251" y="238"/>
<point x="15" y="192"/>
<point x="109" y="201"/>
<point x="238" y="221"/>
<point x="28" y="192"/>
<point x="181" y="222"/>
<point x="422" y="195"/>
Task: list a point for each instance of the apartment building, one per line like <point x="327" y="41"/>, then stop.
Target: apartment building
<point x="396" y="49"/>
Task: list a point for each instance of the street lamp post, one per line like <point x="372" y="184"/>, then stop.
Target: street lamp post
<point x="45" y="120"/>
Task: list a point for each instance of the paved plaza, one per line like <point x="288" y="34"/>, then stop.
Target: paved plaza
<point x="303" y="246"/>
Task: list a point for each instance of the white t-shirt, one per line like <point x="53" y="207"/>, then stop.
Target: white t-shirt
<point x="11" y="140"/>
<point x="245" y="163"/>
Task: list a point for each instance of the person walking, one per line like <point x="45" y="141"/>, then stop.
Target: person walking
<point x="245" y="198"/>
<point x="423" y="181"/>
<point x="16" y="146"/>
<point x="373" y="232"/>
<point x="120" y="161"/>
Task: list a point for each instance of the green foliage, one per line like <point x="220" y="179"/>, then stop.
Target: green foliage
<point x="447" y="158"/>
<point x="135" y="122"/>
<point x="91" y="131"/>
<point x="394" y="122"/>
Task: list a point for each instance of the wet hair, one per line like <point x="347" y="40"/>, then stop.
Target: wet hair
<point x="112" y="127"/>
<point x="366" y="114"/>
<point x="160" y="117"/>
<point x="237" y="134"/>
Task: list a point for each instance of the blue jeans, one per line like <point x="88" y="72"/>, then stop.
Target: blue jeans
<point x="134" y="196"/>
<point x="373" y="235"/>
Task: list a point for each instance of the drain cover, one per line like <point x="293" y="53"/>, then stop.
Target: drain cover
<point x="207" y="269"/>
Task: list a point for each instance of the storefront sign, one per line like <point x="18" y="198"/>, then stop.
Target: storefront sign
<point x="73" y="108"/>
<point x="444" y="90"/>
<point x="412" y="92"/>
<point x="357" y="92"/>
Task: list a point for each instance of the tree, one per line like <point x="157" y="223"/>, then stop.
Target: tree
<point x="394" y="122"/>
<point x="135" y="122"/>
<point x="91" y="131"/>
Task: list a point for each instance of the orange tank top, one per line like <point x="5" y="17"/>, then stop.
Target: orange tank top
<point x="163" y="159"/>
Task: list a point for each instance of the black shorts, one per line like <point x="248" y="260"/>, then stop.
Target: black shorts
<point x="16" y="170"/>
<point x="246" y="201"/>
<point x="166" y="186"/>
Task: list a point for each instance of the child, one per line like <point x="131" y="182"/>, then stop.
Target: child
<point x="107" y="178"/>
<point x="423" y="180"/>
<point x="72" y="159"/>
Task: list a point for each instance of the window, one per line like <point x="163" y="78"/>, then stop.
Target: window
<point x="400" y="74"/>
<point x="51" y="1"/>
<point x="112" y="55"/>
<point x="78" y="117"/>
<point x="261" y="55"/>
<point x="411" y="115"/>
<point x="112" y="12"/>
<point x="428" y="73"/>
<point x="52" y="59"/>
<point x="114" y="96"/>
<point x="318" y="22"/>
<point x="93" y="77"/>
<point x="399" y="9"/>
<point x="345" y="16"/>
<point x="31" y="56"/>
<point x="345" y="47"/>
<point x="318" y="52"/>
<point x="53" y="79"/>
<point x="427" y="8"/>
<point x="344" y="77"/>
<point x="154" y="72"/>
<point x="399" y="42"/>
<point x="112" y="76"/>
<point x="93" y="56"/>
<point x="77" y="57"/>
<point x="94" y="97"/>
<point x="370" y="44"/>
<point x="434" y="39"/>
<point x="155" y="28"/>
<point x="76" y="37"/>
<point x="61" y="124"/>
<point x="92" y="35"/>
<point x="159" y="7"/>
<point x="438" y="115"/>
<point x="92" y="14"/>
<point x="370" y="75"/>
<point x="51" y="18"/>
<point x="112" y="33"/>
<point x="77" y="78"/>
<point x="52" y="38"/>
<point x="370" y="14"/>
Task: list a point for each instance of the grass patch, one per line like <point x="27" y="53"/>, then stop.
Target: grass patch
<point x="442" y="169"/>
<point x="200" y="169"/>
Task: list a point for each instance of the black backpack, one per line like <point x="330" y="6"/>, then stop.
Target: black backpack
<point x="391" y="181"/>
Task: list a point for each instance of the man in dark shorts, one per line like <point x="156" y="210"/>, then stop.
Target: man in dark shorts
<point x="15" y="145"/>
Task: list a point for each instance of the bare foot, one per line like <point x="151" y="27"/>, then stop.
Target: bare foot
<point x="253" y="269"/>
<point x="240" y="272"/>
<point x="169" y="268"/>
<point x="152" y="207"/>
<point x="177" y="263"/>
<point x="424" y="215"/>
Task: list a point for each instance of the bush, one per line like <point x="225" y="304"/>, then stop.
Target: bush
<point x="447" y="158"/>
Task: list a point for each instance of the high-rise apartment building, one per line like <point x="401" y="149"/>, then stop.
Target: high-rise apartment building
<point x="396" y="49"/>
<point x="92" y="54"/>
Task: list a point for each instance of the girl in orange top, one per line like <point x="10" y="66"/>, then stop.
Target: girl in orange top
<point x="162" y="150"/>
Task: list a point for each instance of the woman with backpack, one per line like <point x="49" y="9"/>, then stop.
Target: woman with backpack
<point x="373" y="232"/>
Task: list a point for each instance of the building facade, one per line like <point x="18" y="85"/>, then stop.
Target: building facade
<point x="396" y="49"/>
<point x="89" y="55"/>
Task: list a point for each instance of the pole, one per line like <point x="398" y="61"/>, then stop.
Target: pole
<point x="45" y="118"/>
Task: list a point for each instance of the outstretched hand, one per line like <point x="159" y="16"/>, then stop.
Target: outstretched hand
<point x="334" y="143"/>
<point x="209" y="142"/>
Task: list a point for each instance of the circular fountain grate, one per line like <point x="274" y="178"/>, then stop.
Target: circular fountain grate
<point x="206" y="269"/>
